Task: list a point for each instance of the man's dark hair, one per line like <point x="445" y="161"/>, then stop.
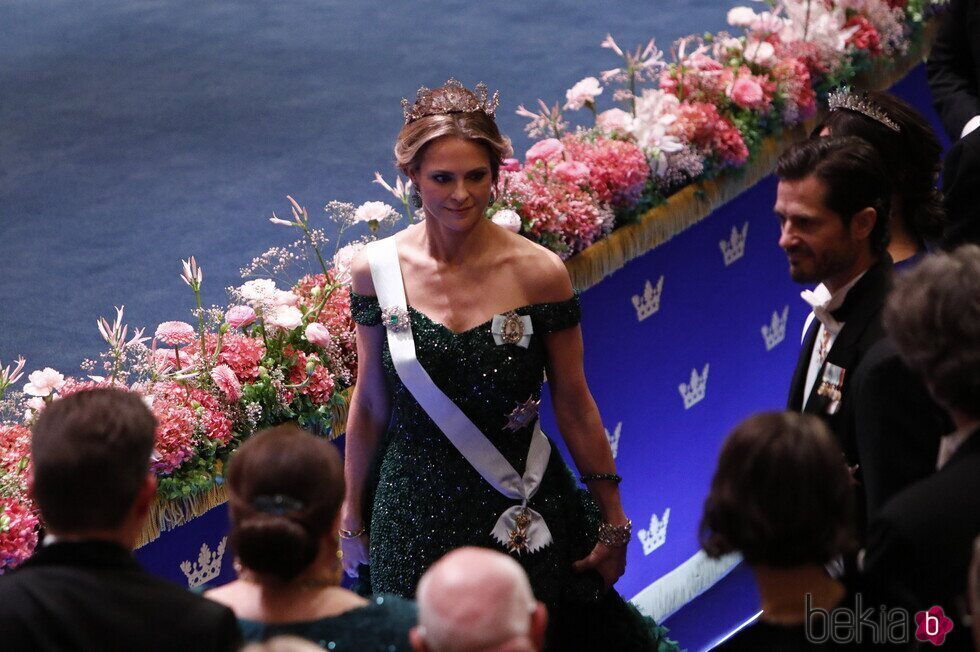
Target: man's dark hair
<point x="91" y="453"/>
<point x="781" y="494"/>
<point x="853" y="173"/>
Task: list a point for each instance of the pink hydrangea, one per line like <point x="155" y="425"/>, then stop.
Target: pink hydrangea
<point x="175" y="333"/>
<point x="700" y="124"/>
<point x="573" y="172"/>
<point x="321" y="384"/>
<point x="560" y="215"/>
<point x="174" y="437"/>
<point x="18" y="532"/>
<point x="227" y="382"/>
<point x="618" y="169"/>
<point x="214" y="423"/>
<point x="242" y="354"/>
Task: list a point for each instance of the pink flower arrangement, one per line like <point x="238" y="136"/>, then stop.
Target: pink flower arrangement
<point x="618" y="169"/>
<point x="213" y="423"/>
<point x="558" y="213"/>
<point x="175" y="333"/>
<point x="18" y="532"/>
<point x="699" y="78"/>
<point x="793" y="85"/>
<point x="341" y="353"/>
<point x="547" y="150"/>
<point x="321" y="383"/>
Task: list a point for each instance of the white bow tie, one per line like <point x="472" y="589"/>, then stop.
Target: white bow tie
<point x="819" y="299"/>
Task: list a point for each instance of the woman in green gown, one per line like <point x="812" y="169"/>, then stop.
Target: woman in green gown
<point x="488" y="312"/>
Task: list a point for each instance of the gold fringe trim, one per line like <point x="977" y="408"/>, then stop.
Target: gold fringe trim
<point x="679" y="212"/>
<point x="695" y="202"/>
<point x="168" y="515"/>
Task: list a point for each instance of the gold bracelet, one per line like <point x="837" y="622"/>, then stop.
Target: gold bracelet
<point x="615" y="536"/>
<point x="350" y="534"/>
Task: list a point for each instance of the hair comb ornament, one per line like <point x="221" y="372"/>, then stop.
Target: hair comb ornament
<point x="860" y="103"/>
<point x="451" y="98"/>
<point x="277" y="505"/>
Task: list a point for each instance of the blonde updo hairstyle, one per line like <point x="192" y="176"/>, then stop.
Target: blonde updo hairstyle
<point x="478" y="126"/>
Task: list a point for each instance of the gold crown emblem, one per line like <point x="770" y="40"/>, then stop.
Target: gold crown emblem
<point x="453" y="97"/>
<point x="860" y="103"/>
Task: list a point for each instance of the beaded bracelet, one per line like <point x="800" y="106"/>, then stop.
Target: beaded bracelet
<point x="615" y="536"/>
<point x="350" y="534"/>
<point x="611" y="477"/>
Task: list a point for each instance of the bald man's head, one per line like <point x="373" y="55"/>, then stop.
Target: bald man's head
<point x="477" y="599"/>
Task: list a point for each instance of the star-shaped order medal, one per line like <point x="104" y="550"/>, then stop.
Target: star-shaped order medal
<point x="523" y="414"/>
<point x="518" y="536"/>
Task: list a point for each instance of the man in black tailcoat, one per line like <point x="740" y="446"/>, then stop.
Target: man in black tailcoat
<point x="83" y="589"/>
<point x="833" y="206"/>
<point x="954" y="78"/>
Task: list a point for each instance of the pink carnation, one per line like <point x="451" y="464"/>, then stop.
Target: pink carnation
<point x="227" y="382"/>
<point x="618" y="169"/>
<point x="175" y="333"/>
<point x="239" y="316"/>
<point x="18" y="538"/>
<point x="544" y="150"/>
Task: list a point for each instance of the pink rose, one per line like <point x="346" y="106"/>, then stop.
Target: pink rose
<point x="238" y="316"/>
<point x="510" y="165"/>
<point x="227" y="382"/>
<point x="746" y="92"/>
<point x="573" y="171"/>
<point x="175" y="333"/>
<point x="284" y="317"/>
<point x="44" y="382"/>
<point x="544" y="150"/>
<point x="317" y="334"/>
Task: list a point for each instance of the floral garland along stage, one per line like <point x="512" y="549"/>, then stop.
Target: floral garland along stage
<point x="598" y="196"/>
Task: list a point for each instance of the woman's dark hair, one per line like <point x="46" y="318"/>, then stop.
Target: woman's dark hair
<point x="933" y="314"/>
<point x="912" y="157"/>
<point x="853" y="174"/>
<point x="781" y="494"/>
<point x="285" y="488"/>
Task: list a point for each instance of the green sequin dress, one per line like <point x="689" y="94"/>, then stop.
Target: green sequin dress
<point x="429" y="500"/>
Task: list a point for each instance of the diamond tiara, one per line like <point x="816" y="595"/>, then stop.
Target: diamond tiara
<point x="451" y="98"/>
<point x="860" y="103"/>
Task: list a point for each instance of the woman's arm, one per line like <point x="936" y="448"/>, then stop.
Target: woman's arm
<point x="369" y="413"/>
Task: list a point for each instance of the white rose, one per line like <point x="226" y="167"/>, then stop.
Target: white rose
<point x="259" y="292"/>
<point x="760" y="53"/>
<point x="584" y="91"/>
<point x="44" y="382"/>
<point x="284" y="317"/>
<point x="615" y="121"/>
<point x="507" y="219"/>
<point x="740" y="16"/>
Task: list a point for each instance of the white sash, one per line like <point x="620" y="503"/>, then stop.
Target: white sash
<point x="456" y="426"/>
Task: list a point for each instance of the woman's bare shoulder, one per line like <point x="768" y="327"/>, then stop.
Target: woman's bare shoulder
<point x="544" y="272"/>
<point x="360" y="273"/>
